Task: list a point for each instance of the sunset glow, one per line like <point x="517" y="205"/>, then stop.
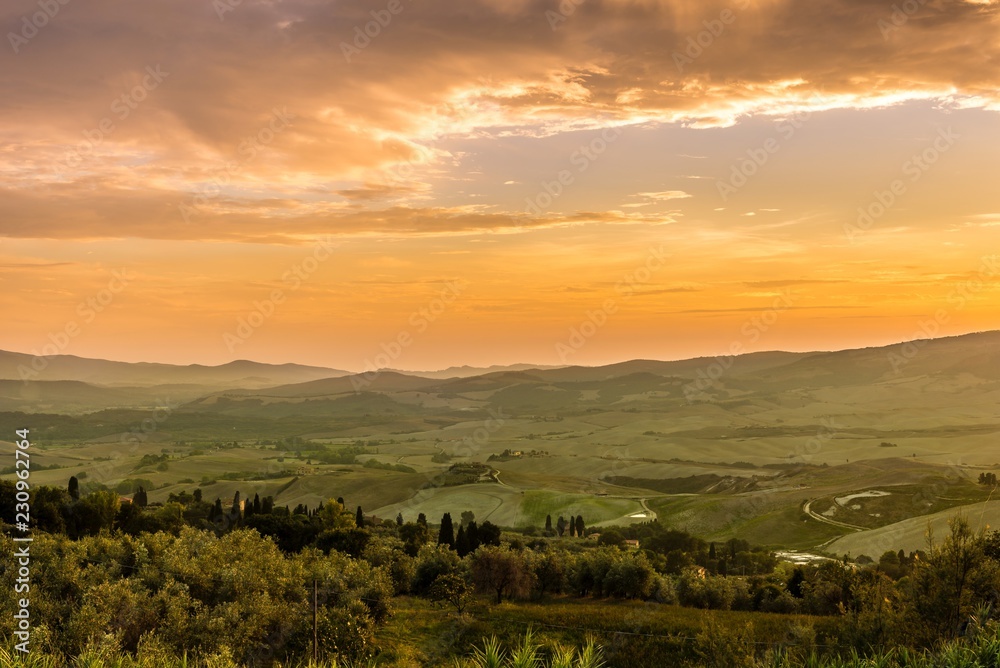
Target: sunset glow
<point x="495" y="181"/>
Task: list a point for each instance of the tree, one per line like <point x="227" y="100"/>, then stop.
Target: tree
<point x="215" y="514"/>
<point x="467" y="517"/>
<point x="630" y="577"/>
<point x="612" y="538"/>
<point x="256" y="504"/>
<point x="196" y="495"/>
<point x="579" y="526"/>
<point x="422" y="519"/>
<point x="795" y="582"/>
<point x="139" y="498"/>
<point x="414" y="537"/>
<point x="462" y="542"/>
<point x="96" y="512"/>
<point x="432" y="562"/>
<point x="359" y="518"/>
<point x="399" y="519"/>
<point x="74" y="488"/>
<point x="500" y="571"/>
<point x="451" y="588"/>
<point x="955" y="577"/>
<point x="561" y="526"/>
<point x="333" y="516"/>
<point x="548" y="525"/>
<point x="446" y="535"/>
<point x="550" y="571"/>
<point x="472" y="534"/>
<point x="488" y="534"/>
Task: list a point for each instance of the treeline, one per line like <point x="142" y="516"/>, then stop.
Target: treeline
<point x="237" y="577"/>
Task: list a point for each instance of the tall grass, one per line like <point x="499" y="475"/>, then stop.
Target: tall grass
<point x="980" y="649"/>
<point x="529" y="654"/>
<point x="95" y="658"/>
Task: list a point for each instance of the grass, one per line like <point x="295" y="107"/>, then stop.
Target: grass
<point x="935" y="495"/>
<point x="536" y="504"/>
<point x="617" y="635"/>
<point x="103" y="658"/>
<point x="633" y="634"/>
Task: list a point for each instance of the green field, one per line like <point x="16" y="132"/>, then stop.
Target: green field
<point x="745" y="457"/>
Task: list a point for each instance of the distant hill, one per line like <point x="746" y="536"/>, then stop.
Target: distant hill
<point x="239" y="373"/>
<point x="466" y="371"/>
<point x="743" y="384"/>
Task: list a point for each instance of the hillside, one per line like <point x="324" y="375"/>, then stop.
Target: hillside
<point x="758" y="447"/>
<point x="239" y="373"/>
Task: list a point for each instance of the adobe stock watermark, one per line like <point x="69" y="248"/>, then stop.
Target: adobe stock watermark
<point x="121" y="108"/>
<point x="420" y="320"/>
<point x="135" y="436"/>
<point x="247" y="149"/>
<point x="744" y="169"/>
<point x="566" y="9"/>
<point x="958" y="297"/>
<point x="405" y="171"/>
<point x="363" y="35"/>
<point x="581" y="333"/>
<point x="473" y="445"/>
<point x="264" y="309"/>
<point x="31" y="25"/>
<point x="901" y="14"/>
<point x="581" y="158"/>
<point x="751" y="331"/>
<point x="223" y="7"/>
<point x="88" y="310"/>
<point x="806" y="452"/>
<point x="914" y="167"/>
<point x="714" y="29"/>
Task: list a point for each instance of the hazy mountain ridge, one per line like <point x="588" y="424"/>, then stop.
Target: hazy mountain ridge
<point x="73" y="384"/>
<point x="238" y="373"/>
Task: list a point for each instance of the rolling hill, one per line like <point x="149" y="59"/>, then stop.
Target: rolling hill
<point x="759" y="446"/>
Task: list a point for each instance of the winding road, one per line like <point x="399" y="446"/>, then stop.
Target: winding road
<point x="807" y="509"/>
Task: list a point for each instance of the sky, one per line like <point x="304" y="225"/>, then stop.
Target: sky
<point x="426" y="183"/>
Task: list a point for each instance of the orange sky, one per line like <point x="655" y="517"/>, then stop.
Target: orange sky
<point x="494" y="181"/>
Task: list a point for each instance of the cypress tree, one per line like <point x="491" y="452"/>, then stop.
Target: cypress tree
<point x="472" y="535"/>
<point x="74" y="488"/>
<point x="256" y="504"/>
<point x="197" y="495"/>
<point x="139" y="498"/>
<point x="359" y="518"/>
<point x="548" y="525"/>
<point x="399" y="519"/>
<point x="462" y="542"/>
<point x="561" y="525"/>
<point x="446" y="536"/>
<point x="579" y="526"/>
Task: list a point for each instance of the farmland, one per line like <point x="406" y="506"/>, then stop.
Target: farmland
<point x="762" y="453"/>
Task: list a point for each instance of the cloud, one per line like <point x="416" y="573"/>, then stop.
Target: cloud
<point x="482" y="70"/>
<point x="664" y="196"/>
